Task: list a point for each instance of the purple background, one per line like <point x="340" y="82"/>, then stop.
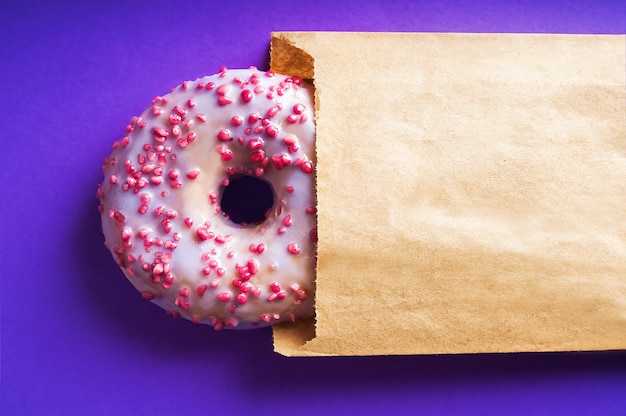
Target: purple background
<point x="76" y="337"/>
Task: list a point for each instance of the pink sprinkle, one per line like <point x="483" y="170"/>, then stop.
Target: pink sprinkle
<point x="260" y="248"/>
<point x="147" y="168"/>
<point x="117" y="216"/>
<point x="147" y="295"/>
<point x="203" y="233"/>
<point x="224" y="297"/>
<point x="245" y="287"/>
<point x="256" y="143"/>
<point x="175" y="119"/>
<point x="280" y="161"/>
<point x="225" y="154"/>
<point x="224" y="135"/>
<point x="253" y="266"/>
<point x="257" y="156"/>
<point x="236" y="121"/>
<point x="275" y="287"/>
<point x="273" y="111"/>
<point x="307" y="167"/>
<point x="253" y="118"/>
<point x="201" y="289"/>
<point x="299" y="108"/>
<point x="242" y="298"/>
<point x="160" y="132"/>
<point x="271" y="131"/>
<point x="201" y="117"/>
<point x="223" y="89"/>
<point x="220" y="239"/>
<point x="188" y="222"/>
<point x="289" y="189"/>
<point x="126" y="233"/>
<point x="193" y="174"/>
<point x="246" y="96"/>
<point x="287" y="221"/>
<point x="293" y="248"/>
<point x="223" y="100"/>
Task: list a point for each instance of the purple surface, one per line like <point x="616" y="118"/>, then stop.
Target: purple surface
<point x="77" y="339"/>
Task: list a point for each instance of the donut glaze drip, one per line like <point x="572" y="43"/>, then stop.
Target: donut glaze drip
<point x="160" y="200"/>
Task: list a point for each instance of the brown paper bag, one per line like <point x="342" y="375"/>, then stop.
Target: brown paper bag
<point x="471" y="192"/>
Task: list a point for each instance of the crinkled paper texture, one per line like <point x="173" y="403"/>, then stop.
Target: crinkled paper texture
<point x="471" y="192"/>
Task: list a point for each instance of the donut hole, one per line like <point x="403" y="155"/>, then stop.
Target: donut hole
<point x="247" y="200"/>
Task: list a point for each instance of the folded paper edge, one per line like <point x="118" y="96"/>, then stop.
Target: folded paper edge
<point x="288" y="59"/>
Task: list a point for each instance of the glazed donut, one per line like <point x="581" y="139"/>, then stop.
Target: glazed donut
<point x="208" y="200"/>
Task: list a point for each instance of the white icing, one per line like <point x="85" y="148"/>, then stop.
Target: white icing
<point x="294" y="273"/>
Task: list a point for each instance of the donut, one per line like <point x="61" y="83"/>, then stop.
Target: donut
<point x="208" y="200"/>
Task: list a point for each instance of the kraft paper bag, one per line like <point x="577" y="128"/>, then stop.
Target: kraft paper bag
<point x="471" y="192"/>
